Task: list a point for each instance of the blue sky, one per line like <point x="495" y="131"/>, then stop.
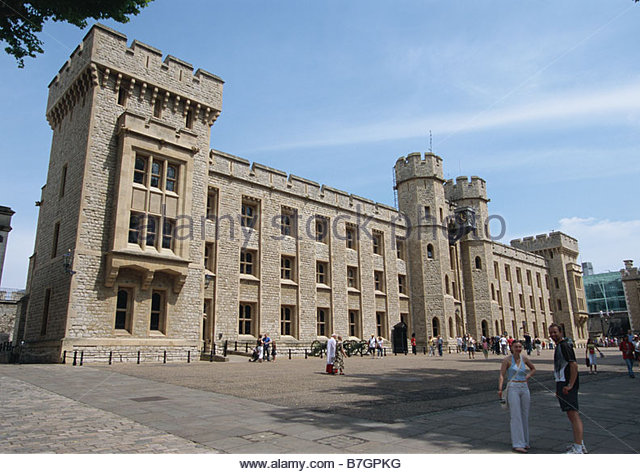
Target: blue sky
<point x="540" y="98"/>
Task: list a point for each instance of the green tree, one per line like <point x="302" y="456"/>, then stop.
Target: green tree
<point x="20" y="21"/>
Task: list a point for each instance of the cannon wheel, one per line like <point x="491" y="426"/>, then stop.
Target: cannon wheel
<point x="316" y="347"/>
<point x="348" y="347"/>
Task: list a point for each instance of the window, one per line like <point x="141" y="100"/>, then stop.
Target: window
<point x="378" y="278"/>
<point x="446" y="284"/>
<point x="454" y="287"/>
<point x="172" y="178"/>
<point x="429" y="251"/>
<point x="287" y="267"/>
<point x="381" y="324"/>
<point x="322" y="319"/>
<point x="529" y="277"/>
<point x="427" y="212"/>
<point x="56" y="236"/>
<point x="122" y="96"/>
<point x="556" y="283"/>
<point x="286" y="320"/>
<point x="168" y="229"/>
<point x="499" y="297"/>
<point x="580" y="304"/>
<point x="541" y="301"/>
<point x="521" y="300"/>
<point x="496" y="271"/>
<point x="352" y="277"/>
<point x="123" y="309"/>
<point x="578" y="282"/>
<point x="546" y="281"/>
<point x="518" y="275"/>
<point x="156" y="174"/>
<point x="531" y="301"/>
<point x="245" y="319"/>
<point x="441" y="215"/>
<point x="435" y="326"/>
<point x="452" y="257"/>
<point x="157" y="108"/>
<point x="208" y="256"/>
<point x="354" y="323"/>
<point x="247" y="262"/>
<point x="511" y="299"/>
<point x="507" y="273"/>
<point x="212" y="203"/>
<point x="550" y="306"/>
<point x="493" y="292"/>
<point x="152" y="230"/>
<point x="63" y="181"/>
<point x="140" y="170"/>
<point x="249" y="215"/>
<point x="377" y="239"/>
<point x="322" y="276"/>
<point x="288" y="220"/>
<point x="538" y="282"/>
<point x="351" y="236"/>
<point x="321" y="229"/>
<point x="402" y="284"/>
<point x="45" y="311"/>
<point x="400" y="248"/>
<point x="478" y="263"/>
<point x="135" y="225"/>
<point x="189" y="119"/>
<point x="559" y="304"/>
<point x="157" y="319"/>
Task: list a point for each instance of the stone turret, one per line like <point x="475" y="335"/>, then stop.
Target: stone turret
<point x="631" y="284"/>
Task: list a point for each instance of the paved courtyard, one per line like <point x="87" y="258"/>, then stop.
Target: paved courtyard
<point x="398" y="404"/>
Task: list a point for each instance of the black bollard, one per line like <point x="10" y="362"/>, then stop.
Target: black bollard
<point x="188" y="357"/>
<point x="110" y="356"/>
<point x="164" y="357"/>
<point x="211" y="357"/>
<point x="64" y="357"/>
<point x="224" y="351"/>
<point x="424" y="350"/>
<point x="289" y="354"/>
<point x="305" y="354"/>
<point x="246" y="347"/>
<point x="384" y="351"/>
<point x="75" y="357"/>
<point x="214" y="348"/>
<point x="235" y="346"/>
<point x="138" y="361"/>
<point x="81" y="356"/>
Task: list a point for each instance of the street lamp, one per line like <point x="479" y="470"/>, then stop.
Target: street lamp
<point x="67" y="263"/>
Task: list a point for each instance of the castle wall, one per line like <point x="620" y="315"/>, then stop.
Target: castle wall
<point x="631" y="284"/>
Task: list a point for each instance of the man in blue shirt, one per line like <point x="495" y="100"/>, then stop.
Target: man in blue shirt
<point x="266" y="342"/>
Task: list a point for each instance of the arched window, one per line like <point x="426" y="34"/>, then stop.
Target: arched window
<point x="493" y="292"/>
<point x="429" y="251"/>
<point x="435" y="323"/>
<point x="450" y="327"/>
<point x="446" y="284"/>
<point x="478" y="263"/>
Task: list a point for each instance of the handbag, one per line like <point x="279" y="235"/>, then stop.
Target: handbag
<point x="588" y="362"/>
<point x="504" y="401"/>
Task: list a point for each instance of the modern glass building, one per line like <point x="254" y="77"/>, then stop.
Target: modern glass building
<point x="606" y="304"/>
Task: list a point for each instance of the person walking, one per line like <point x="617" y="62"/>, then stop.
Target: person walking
<point x="380" y="347"/>
<point x="338" y="363"/>
<point x="590" y="353"/>
<point x="372" y="346"/>
<point x="485" y="349"/>
<point x="440" y="342"/>
<point x="266" y="342"/>
<point x="518" y="397"/>
<point x="471" y="347"/>
<point x="414" y="348"/>
<point x="527" y="343"/>
<point x="260" y="349"/>
<point x="538" y="345"/>
<point x="628" y="355"/>
<point x="503" y="345"/>
<point x="331" y="354"/>
<point x="432" y="347"/>
<point x="273" y="351"/>
<point x="565" y="371"/>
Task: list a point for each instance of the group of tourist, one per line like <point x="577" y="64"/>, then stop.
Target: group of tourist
<point x="335" y="355"/>
<point x="265" y="349"/>
<point x="518" y="370"/>
<point x="376" y="346"/>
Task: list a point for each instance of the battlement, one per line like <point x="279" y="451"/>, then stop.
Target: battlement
<point x="553" y="240"/>
<point x="414" y="165"/>
<point x="257" y="174"/>
<point x="463" y="188"/>
<point x="104" y="53"/>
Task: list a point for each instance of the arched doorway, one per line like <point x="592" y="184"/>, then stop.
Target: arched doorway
<point x="435" y="323"/>
<point x="485" y="328"/>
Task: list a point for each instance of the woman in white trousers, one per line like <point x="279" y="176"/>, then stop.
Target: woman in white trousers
<point x="514" y="367"/>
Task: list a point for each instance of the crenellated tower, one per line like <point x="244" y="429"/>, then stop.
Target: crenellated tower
<point x="421" y="198"/>
<point x="469" y="199"/>
<point x="128" y="169"/>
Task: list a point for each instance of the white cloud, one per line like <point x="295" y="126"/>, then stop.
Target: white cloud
<point x="16" y="262"/>
<point x="564" y="109"/>
<point x="604" y="242"/>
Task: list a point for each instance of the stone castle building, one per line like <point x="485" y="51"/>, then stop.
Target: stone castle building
<point x="631" y="284"/>
<point x="148" y="240"/>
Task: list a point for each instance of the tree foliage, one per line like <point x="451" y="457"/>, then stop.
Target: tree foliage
<point x="20" y="21"/>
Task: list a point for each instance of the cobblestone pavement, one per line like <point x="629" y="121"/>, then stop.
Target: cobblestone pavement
<point x="399" y="404"/>
<point x="35" y="420"/>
